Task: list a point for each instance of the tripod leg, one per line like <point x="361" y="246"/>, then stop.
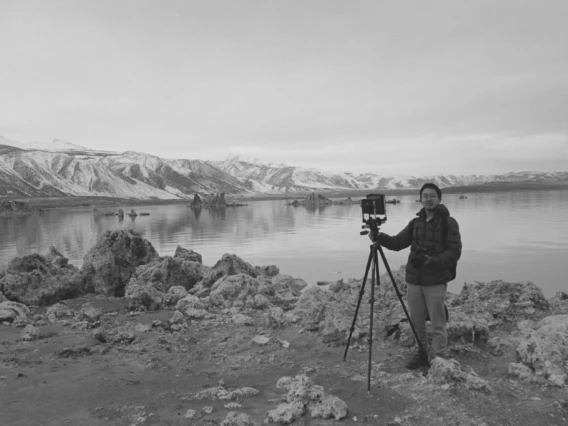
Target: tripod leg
<point x="399" y="295"/>
<point x="374" y="279"/>
<point x="361" y="292"/>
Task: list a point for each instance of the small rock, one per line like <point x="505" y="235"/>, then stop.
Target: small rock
<point x="237" y="419"/>
<point x="191" y="414"/>
<point x="261" y="340"/>
<point x="241" y="319"/>
<point x="177" y="318"/>
<point x="29" y="333"/>
<point x="233" y="405"/>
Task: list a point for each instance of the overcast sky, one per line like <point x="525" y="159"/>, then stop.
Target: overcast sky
<point x="389" y="87"/>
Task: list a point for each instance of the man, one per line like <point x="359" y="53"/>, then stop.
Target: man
<point x="427" y="275"/>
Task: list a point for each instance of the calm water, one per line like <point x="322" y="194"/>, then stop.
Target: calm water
<point x="511" y="236"/>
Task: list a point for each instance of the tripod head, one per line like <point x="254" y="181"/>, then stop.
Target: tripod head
<point x="374" y="214"/>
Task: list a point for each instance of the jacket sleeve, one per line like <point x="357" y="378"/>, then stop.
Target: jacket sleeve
<point x="452" y="252"/>
<point x="398" y="242"/>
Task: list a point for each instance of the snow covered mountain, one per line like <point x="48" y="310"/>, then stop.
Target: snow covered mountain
<point x="281" y="177"/>
<point x="73" y="170"/>
<point x="60" y="168"/>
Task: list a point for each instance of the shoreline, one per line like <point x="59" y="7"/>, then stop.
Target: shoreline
<point x="96" y="201"/>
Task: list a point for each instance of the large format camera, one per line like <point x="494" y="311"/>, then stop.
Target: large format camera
<point x="419" y="257"/>
<point x="374" y="213"/>
<point x="374" y="204"/>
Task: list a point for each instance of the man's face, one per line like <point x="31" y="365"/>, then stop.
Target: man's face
<point x="430" y="199"/>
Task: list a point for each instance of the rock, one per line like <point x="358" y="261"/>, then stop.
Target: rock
<point x="11" y="311"/>
<point x="143" y="296"/>
<point x="286" y="413"/>
<point x="316" y="200"/>
<point x="495" y="346"/>
<point x="500" y="301"/>
<point x="276" y="318"/>
<point x="229" y="264"/>
<point x="191" y="414"/>
<point x="261" y="340"/>
<point x="463" y="328"/>
<point x="8" y="208"/>
<point x="560" y="302"/>
<point x="450" y="372"/>
<point x="193" y="313"/>
<point x="143" y="328"/>
<point x="330" y="314"/>
<point x="122" y="334"/>
<point x="29" y="333"/>
<point x="545" y="349"/>
<point x="174" y="295"/>
<point x="191" y="301"/>
<point x="22" y="322"/>
<point x="168" y="272"/>
<point x="523" y="372"/>
<point x="216" y="201"/>
<point x="237" y="419"/>
<point x="41" y="280"/>
<point x="311" y="306"/>
<point x="109" y="265"/>
<point x="282" y="290"/>
<point x="74" y="352"/>
<point x="348" y="200"/>
<point x="233" y="405"/>
<point x="267" y="271"/>
<point x="219" y="392"/>
<point x="234" y="291"/>
<point x="186" y="254"/>
<point x="88" y="313"/>
<point x="55" y="258"/>
<point x="196" y="203"/>
<point x="80" y="325"/>
<point x="260" y="302"/>
<point x="59" y="311"/>
<point x="177" y="318"/>
<point x="241" y="319"/>
<point x="303" y="397"/>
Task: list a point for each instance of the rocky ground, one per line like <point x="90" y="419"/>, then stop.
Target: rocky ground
<point x="137" y="339"/>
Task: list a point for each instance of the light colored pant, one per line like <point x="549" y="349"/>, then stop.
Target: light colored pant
<point x="423" y="300"/>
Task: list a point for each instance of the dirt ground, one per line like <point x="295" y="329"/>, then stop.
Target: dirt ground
<point x="67" y="377"/>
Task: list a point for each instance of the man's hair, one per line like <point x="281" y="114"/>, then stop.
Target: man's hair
<point x="431" y="186"/>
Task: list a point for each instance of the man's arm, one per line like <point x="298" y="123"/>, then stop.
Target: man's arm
<point x="452" y="252"/>
<point x="398" y="242"/>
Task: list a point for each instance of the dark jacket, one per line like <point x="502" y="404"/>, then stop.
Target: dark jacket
<point x="428" y="235"/>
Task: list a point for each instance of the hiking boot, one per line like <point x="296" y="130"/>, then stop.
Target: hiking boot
<point x="419" y="359"/>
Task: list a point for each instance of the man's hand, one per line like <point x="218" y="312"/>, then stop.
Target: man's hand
<point x="374" y="237"/>
<point x="427" y="261"/>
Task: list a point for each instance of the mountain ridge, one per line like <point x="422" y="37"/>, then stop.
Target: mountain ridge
<point x="60" y="168"/>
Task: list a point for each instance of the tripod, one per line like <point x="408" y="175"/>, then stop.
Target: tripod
<point x="373" y="259"/>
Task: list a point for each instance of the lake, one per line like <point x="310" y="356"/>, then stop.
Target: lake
<point x="514" y="236"/>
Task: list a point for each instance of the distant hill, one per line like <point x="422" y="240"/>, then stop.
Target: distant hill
<point x="60" y="168"/>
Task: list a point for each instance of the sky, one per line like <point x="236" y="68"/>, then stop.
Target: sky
<point x="388" y="87"/>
